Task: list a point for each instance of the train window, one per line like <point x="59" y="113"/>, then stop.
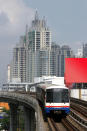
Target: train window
<point x="49" y="95"/>
<point x="65" y="96"/>
<point x="57" y="95"/>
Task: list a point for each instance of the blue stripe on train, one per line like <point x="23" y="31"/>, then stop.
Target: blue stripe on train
<point x="67" y="110"/>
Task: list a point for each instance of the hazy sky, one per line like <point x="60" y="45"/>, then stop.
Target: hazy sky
<point x="66" y="18"/>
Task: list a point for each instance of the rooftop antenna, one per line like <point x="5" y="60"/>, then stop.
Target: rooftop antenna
<point x="26" y="28"/>
<point x="27" y="35"/>
<point x="44" y="21"/>
<point x="36" y="15"/>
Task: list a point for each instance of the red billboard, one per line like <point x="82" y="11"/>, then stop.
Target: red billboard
<point x="75" y="70"/>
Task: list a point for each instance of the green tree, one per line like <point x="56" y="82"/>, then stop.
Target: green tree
<point x="5" y="122"/>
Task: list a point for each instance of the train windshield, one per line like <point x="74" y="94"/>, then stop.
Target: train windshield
<point x="57" y="95"/>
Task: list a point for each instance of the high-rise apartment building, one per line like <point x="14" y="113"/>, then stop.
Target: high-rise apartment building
<point x="35" y="56"/>
<point x="9" y="73"/>
<point x="84" y="50"/>
<point x="31" y="58"/>
<point x="38" y="49"/>
<point x="19" y="64"/>
<point x="65" y="52"/>
<point x="39" y="35"/>
<point x="58" y="55"/>
<point x="55" y="50"/>
<point x="79" y="53"/>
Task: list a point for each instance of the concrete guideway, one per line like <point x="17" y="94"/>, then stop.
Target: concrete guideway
<point x="31" y="107"/>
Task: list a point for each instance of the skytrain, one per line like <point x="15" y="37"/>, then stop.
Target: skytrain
<point x="54" y="96"/>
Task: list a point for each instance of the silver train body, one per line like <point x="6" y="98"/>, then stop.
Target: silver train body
<point x="55" y="98"/>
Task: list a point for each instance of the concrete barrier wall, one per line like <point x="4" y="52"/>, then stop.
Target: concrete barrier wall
<point x="28" y="101"/>
<point x="79" y="94"/>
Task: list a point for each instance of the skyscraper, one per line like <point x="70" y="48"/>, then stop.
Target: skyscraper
<point x="58" y="55"/>
<point x="19" y="64"/>
<point x="65" y="52"/>
<point x="31" y="58"/>
<point x="79" y="53"/>
<point x="36" y="55"/>
<point x="38" y="49"/>
<point x="85" y="50"/>
<point x="39" y="35"/>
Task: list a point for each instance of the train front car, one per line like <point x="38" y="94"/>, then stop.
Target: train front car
<point x="57" y="100"/>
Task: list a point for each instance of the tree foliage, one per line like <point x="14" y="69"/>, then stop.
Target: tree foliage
<point x="5" y="121"/>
